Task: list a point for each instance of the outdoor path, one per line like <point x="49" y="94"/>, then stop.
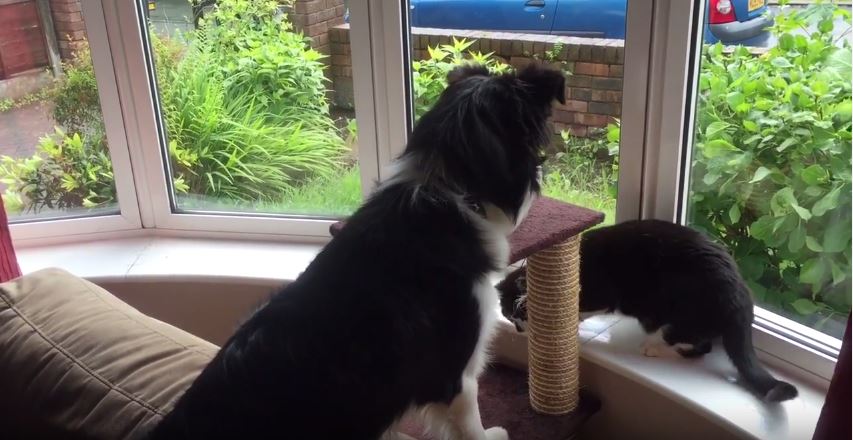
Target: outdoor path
<point x="22" y="127"/>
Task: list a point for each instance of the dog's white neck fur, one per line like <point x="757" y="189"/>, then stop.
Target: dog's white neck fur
<point x="494" y="225"/>
<point x="461" y="419"/>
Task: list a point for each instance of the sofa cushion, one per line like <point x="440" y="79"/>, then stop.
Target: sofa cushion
<point x="76" y="362"/>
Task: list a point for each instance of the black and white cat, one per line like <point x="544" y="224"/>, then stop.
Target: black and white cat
<point x="684" y="289"/>
<point x="396" y="312"/>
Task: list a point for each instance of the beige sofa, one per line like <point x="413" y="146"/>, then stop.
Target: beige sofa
<point x="76" y="362"/>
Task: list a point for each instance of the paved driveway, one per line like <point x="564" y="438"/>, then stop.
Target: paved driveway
<point x="22" y="127"/>
<point x="171" y="16"/>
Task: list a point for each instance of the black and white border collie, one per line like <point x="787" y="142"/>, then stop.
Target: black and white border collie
<point x="396" y="313"/>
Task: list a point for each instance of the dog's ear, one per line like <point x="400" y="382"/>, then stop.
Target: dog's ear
<point x="546" y="84"/>
<point x="466" y="71"/>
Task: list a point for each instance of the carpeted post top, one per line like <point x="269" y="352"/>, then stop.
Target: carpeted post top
<point x="549" y="222"/>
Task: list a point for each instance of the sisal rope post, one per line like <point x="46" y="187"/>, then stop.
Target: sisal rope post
<point x="553" y="289"/>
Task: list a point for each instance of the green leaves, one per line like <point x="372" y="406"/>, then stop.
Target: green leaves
<point x="813" y="245"/>
<point x="781" y="63"/>
<point x="797" y="239"/>
<point x="784" y="200"/>
<point x="760" y="174"/>
<point x="771" y="174"/>
<point x="786" y="41"/>
<point x="785" y="144"/>
<point x="734" y="214"/>
<point x="814" y="175"/>
<point x="837" y="236"/>
<point x="813" y="271"/>
<point x="65" y="172"/>
<point x="825" y="26"/>
<point x="735" y="99"/>
<point x="827" y="203"/>
<point x="839" y="64"/>
<point x="716" y="130"/>
<point x="805" y="307"/>
<point x="762" y="228"/>
<point x="718" y="147"/>
<point x="430" y="75"/>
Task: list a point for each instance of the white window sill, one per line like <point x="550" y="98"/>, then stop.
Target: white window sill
<point x="704" y="386"/>
<point x="173" y="259"/>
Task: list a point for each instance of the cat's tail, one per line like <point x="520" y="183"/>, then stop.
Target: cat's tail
<point x="737" y="341"/>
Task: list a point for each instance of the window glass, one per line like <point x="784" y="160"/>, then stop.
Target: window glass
<point x="256" y="103"/>
<point x="54" y="159"/>
<point x="586" y="43"/>
<point x="770" y="170"/>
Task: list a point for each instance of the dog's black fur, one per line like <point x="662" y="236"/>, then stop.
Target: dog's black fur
<point x="673" y="278"/>
<point x="385" y="318"/>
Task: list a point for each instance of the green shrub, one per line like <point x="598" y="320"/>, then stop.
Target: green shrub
<point x="230" y="147"/>
<point x="259" y="53"/>
<point x="585" y="171"/>
<point x="77" y="107"/>
<point x="597" y="154"/>
<point x="245" y="106"/>
<point x="65" y="172"/>
<point x="771" y="173"/>
<point x="430" y="76"/>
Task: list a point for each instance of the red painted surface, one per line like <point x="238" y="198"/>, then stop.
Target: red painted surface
<point x="22" y="45"/>
<point x="9" y="268"/>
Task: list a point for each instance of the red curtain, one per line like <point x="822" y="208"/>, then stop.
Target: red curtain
<point x="835" y="417"/>
<point x="8" y="261"/>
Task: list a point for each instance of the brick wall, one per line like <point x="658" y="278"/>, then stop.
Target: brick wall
<point x="315" y="18"/>
<point x="593" y="91"/>
<point x="69" y="26"/>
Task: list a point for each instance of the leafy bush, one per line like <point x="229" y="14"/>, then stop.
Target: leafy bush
<point x="230" y="146"/>
<point x="430" y="76"/>
<point x="245" y="108"/>
<point x="77" y="107"/>
<point x="259" y="53"/>
<point x="598" y="154"/>
<point x="585" y="171"/>
<point x="771" y="175"/>
<point x="65" y="172"/>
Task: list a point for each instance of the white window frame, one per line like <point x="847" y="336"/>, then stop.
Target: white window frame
<point x="377" y="60"/>
<point x="674" y="70"/>
<point x="156" y="210"/>
<point x="74" y="227"/>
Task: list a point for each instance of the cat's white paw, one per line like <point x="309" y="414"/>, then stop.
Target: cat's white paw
<point x="654" y="349"/>
<point x="496" y="433"/>
<point x="655" y="346"/>
<point x="651" y="351"/>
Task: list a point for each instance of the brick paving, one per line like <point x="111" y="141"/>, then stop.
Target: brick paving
<point x="21" y="128"/>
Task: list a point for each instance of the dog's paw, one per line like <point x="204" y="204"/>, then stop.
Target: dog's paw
<point x="496" y="433"/>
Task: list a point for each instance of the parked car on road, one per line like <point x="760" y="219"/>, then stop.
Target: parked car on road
<point x="729" y="21"/>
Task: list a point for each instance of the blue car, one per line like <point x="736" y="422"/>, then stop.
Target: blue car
<point x="729" y="21"/>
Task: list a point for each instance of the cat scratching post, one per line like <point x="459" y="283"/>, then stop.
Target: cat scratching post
<point x="553" y="287"/>
<point x="544" y="403"/>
